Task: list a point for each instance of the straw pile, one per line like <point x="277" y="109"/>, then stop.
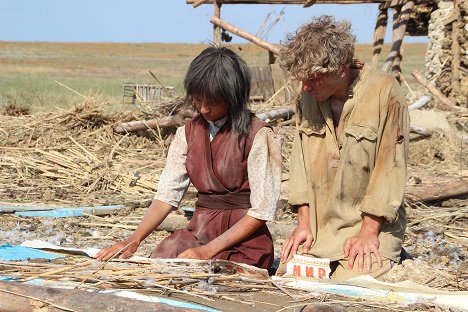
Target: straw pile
<point x="74" y="156"/>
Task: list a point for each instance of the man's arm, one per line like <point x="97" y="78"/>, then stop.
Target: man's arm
<point x="301" y="234"/>
<point x="385" y="191"/>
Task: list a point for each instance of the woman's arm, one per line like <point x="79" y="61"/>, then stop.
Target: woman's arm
<point x="155" y="215"/>
<point x="173" y="183"/>
<point x="236" y="234"/>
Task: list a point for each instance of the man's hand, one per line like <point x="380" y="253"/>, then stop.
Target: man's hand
<point x="301" y="234"/>
<point x="125" y="248"/>
<point x="200" y="253"/>
<point x="364" y="244"/>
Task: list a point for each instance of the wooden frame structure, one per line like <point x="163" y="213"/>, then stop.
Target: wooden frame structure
<point x="401" y="14"/>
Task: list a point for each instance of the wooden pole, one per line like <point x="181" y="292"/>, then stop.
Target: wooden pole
<point x="399" y="30"/>
<point x="456" y="46"/>
<point x="379" y="34"/>
<point x="216" y="30"/>
<point x="241" y="33"/>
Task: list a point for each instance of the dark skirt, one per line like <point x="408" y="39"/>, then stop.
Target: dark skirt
<point x="207" y="224"/>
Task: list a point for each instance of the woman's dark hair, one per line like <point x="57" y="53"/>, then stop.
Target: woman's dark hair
<point x="219" y="73"/>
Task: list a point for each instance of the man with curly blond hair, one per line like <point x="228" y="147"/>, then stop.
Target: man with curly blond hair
<point x="348" y="163"/>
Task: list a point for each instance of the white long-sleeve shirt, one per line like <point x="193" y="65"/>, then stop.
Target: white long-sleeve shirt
<point x="263" y="168"/>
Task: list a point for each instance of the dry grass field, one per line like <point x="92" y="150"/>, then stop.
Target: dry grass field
<point x="28" y="70"/>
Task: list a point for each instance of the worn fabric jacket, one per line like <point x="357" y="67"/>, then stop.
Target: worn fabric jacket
<point x="358" y="167"/>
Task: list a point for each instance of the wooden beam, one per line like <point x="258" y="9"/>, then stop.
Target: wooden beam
<point x="399" y="30"/>
<point x="199" y="2"/>
<point x="241" y="33"/>
<point x="301" y="2"/>
<point x="216" y="29"/>
<point x="309" y="3"/>
<point x="379" y="35"/>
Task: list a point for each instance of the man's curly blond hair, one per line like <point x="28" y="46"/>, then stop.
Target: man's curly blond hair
<point x="320" y="46"/>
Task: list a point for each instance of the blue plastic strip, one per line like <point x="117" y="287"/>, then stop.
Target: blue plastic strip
<point x="187" y="305"/>
<point x="66" y="212"/>
<point x="8" y="278"/>
<point x="15" y="253"/>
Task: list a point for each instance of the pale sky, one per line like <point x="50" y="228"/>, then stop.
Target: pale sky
<point x="165" y="21"/>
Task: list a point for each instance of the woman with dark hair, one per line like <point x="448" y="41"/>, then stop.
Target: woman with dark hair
<point x="234" y="161"/>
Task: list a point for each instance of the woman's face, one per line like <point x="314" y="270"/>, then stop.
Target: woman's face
<point x="210" y="109"/>
<point x="321" y="86"/>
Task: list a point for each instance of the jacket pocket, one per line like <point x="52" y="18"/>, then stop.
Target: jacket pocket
<point x="361" y="133"/>
<point x="311" y="128"/>
<point x="360" y="148"/>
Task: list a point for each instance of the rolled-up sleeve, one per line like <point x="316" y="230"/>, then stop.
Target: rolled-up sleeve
<point x="174" y="180"/>
<point x="264" y="172"/>
<point x="386" y="186"/>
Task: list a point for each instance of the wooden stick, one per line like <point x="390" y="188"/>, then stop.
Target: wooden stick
<point x="70" y="89"/>
<point x="241" y="33"/>
<point x="93" y="158"/>
<point x="159" y="81"/>
<point x="53" y="272"/>
<point x="444" y="102"/>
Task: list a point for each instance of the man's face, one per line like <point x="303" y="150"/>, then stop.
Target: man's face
<point x="321" y="86"/>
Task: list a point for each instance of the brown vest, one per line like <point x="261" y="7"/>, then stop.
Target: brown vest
<point x="218" y="169"/>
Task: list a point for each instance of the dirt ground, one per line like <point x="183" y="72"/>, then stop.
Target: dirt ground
<point x="73" y="159"/>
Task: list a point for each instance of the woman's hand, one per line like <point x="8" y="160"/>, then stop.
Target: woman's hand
<point x="200" y="253"/>
<point x="156" y="213"/>
<point x="364" y="244"/>
<point x="125" y="249"/>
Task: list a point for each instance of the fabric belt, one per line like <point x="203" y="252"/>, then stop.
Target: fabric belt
<point x="224" y="201"/>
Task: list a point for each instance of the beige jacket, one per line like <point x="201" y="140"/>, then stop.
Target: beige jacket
<point x="359" y="168"/>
